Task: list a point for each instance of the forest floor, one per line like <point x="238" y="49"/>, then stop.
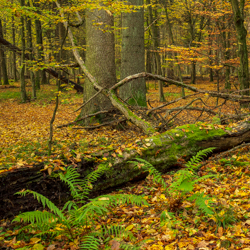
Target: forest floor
<point x="24" y="132"/>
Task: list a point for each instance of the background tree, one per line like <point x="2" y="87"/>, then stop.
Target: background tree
<point x="238" y="10"/>
<point x="133" y="55"/>
<point x="2" y="59"/>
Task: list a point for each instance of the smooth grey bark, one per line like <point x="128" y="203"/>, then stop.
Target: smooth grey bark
<point x="2" y="59"/>
<point x="100" y="60"/>
<point x="243" y="72"/>
<point x="133" y="55"/>
<point x="22" y="78"/>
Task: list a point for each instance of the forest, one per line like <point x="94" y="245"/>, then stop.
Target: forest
<point x="124" y="124"/>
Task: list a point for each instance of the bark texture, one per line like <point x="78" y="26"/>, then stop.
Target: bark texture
<point x="162" y="151"/>
<point x="133" y="55"/>
<point x="2" y="59"/>
<point x="238" y="11"/>
<point x="100" y="59"/>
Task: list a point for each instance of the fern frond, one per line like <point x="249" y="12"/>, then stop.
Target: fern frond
<point x="202" y="202"/>
<point x="51" y="233"/>
<point x="92" y="177"/>
<point x="102" y="204"/>
<point x="35" y="217"/>
<point x="192" y="164"/>
<point x="90" y="243"/>
<point x="114" y="230"/>
<point x="71" y="178"/>
<point x="45" y="202"/>
<point x="152" y="171"/>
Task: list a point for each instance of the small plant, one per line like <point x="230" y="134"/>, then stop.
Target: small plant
<point x="224" y="217"/>
<point x="183" y="182"/>
<point x="76" y="219"/>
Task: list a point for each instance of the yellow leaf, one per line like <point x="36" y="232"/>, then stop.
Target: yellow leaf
<point x="163" y="197"/>
<point x="129" y="227"/>
<point x="104" y="158"/>
<point x="38" y="247"/>
<point x="34" y="240"/>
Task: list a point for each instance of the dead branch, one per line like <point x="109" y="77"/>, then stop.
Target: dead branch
<point x="84" y="104"/>
<point x="166" y="104"/>
<point x="85" y="117"/>
<point x="102" y="124"/>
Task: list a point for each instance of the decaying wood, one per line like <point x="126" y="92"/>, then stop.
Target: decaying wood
<point x="162" y="151"/>
<point x="52" y="72"/>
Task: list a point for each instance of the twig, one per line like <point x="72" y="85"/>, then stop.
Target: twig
<point x="103" y="124"/>
<point x="166" y="104"/>
<point x="84" y="104"/>
<point x="85" y="117"/>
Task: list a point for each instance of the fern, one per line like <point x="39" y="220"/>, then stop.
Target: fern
<point x="145" y="165"/>
<point x="101" y="205"/>
<point x="80" y="188"/>
<point x="202" y="202"/>
<point x="114" y="230"/>
<point x="77" y="216"/>
<point x="186" y="178"/>
<point x="90" y="243"/>
<point x="45" y="202"/>
<point x="193" y="162"/>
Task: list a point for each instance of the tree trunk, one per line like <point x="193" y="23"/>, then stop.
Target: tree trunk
<point x="2" y="59"/>
<point x="238" y="10"/>
<point x="162" y="151"/>
<point x="30" y="47"/>
<point x="100" y="60"/>
<point x="52" y="72"/>
<point x="40" y="75"/>
<point x="22" y="77"/>
<point x="133" y="56"/>
<point x="14" y="43"/>
<point x="156" y="38"/>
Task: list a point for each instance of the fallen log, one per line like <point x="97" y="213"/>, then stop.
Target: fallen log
<point x="162" y="151"/>
<point x="52" y="72"/>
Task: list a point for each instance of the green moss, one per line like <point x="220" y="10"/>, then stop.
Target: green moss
<point x="149" y="129"/>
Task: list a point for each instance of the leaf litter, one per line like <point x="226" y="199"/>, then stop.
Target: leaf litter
<point x="23" y="142"/>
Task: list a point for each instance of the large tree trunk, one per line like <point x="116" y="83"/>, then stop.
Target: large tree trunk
<point x="133" y="56"/>
<point x="100" y="59"/>
<point x="162" y="151"/>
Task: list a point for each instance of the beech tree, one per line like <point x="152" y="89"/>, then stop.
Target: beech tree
<point x="133" y="55"/>
<point x="100" y="59"/>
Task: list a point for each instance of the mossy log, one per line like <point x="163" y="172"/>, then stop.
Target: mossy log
<point x="162" y="151"/>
